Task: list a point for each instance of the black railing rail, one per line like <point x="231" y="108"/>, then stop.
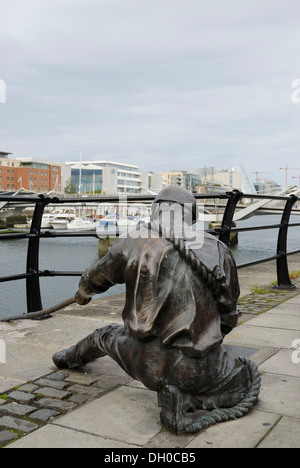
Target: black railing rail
<point x="33" y="274"/>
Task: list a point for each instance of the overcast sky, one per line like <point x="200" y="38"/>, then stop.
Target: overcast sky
<point x="164" y="84"/>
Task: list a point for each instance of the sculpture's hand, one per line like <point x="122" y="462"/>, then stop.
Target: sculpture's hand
<point x="82" y="300"/>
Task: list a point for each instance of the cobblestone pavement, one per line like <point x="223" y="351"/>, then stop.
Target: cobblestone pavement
<point x="32" y="405"/>
<point x="265" y="298"/>
<point x="28" y="407"/>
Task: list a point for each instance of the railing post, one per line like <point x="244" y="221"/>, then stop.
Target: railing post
<point x="33" y="292"/>
<point x="283" y="277"/>
<point x="234" y="198"/>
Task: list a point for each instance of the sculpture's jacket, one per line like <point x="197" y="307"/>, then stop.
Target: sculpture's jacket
<point x="165" y="297"/>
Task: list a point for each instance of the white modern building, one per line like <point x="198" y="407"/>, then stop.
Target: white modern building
<point x="105" y="177"/>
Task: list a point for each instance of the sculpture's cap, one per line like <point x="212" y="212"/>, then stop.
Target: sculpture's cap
<point x="181" y="196"/>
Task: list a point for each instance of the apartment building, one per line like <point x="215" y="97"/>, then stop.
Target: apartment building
<point x="28" y="173"/>
<point x="176" y="177"/>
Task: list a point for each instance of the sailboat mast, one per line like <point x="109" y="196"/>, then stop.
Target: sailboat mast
<point x="80" y="160"/>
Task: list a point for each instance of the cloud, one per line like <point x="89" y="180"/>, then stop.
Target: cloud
<point x="163" y="84"/>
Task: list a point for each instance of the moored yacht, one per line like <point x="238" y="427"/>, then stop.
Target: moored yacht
<point x="61" y="220"/>
<point x="82" y="224"/>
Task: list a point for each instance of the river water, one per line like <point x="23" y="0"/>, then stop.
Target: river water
<point x="78" y="253"/>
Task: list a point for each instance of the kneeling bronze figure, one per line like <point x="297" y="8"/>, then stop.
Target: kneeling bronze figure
<point x="181" y="300"/>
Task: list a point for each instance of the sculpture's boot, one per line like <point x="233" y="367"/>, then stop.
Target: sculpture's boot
<point x="171" y="400"/>
<point x="79" y="355"/>
<point x="66" y="359"/>
<point x="87" y="350"/>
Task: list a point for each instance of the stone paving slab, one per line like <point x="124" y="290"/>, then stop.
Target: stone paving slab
<point x="281" y="363"/>
<point x="281" y="321"/>
<point x="280" y="393"/>
<point x="284" y="435"/>
<point x="52" y="436"/>
<point x="25" y="362"/>
<point x="290" y="308"/>
<point x="236" y="434"/>
<point x="7" y="384"/>
<point x="295" y="300"/>
<point x="136" y="408"/>
<point x="252" y="336"/>
<point x="60" y="331"/>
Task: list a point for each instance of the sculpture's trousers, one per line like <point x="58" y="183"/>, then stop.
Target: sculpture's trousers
<point x="155" y="365"/>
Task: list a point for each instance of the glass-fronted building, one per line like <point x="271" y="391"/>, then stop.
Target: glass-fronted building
<point x="87" y="179"/>
<point x="106" y="177"/>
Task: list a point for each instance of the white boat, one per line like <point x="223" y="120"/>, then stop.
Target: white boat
<point x="46" y="220"/>
<point x="61" y="220"/>
<point x="82" y="224"/>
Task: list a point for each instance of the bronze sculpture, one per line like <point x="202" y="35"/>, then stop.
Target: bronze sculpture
<point x="181" y="297"/>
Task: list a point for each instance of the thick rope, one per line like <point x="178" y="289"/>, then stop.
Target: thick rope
<point x="208" y="277"/>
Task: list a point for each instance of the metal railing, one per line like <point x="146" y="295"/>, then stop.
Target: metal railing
<point x="33" y="274"/>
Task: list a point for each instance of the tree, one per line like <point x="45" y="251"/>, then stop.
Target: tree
<point x="70" y="187"/>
